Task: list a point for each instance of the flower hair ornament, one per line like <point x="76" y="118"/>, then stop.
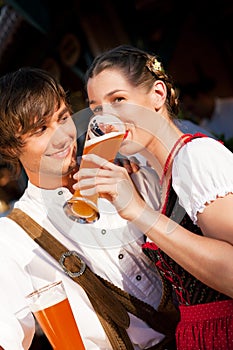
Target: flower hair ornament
<point x="154" y="65"/>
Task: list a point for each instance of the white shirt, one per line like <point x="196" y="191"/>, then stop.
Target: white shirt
<point x="111" y="247"/>
<point x="202" y="171"/>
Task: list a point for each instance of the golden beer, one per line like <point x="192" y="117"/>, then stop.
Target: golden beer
<point x="105" y="146"/>
<point x="54" y="315"/>
<point x="104" y="136"/>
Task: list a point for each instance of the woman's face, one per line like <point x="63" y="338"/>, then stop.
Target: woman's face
<point x="110" y="92"/>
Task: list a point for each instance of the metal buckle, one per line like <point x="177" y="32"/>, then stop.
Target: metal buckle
<point x="69" y="273"/>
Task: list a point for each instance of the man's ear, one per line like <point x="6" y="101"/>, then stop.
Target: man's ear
<point x="159" y="94"/>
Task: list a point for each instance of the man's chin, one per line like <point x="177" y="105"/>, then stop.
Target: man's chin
<point x="69" y="169"/>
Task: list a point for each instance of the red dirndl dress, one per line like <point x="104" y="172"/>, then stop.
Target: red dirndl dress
<point x="206" y="315"/>
<point x="206" y="326"/>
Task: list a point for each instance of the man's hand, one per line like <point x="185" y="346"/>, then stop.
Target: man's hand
<point x="131" y="164"/>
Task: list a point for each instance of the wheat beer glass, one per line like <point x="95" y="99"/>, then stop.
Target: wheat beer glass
<point x="104" y="136"/>
<point x="52" y="310"/>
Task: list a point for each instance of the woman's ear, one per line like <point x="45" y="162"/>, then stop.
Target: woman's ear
<point x="159" y="94"/>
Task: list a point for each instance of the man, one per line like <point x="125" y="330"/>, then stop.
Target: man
<point x="37" y="130"/>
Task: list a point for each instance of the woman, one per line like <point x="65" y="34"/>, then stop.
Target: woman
<point x="190" y="239"/>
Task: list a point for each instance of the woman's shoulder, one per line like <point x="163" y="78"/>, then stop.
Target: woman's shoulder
<point x="203" y="159"/>
<point x="202" y="150"/>
<point x="202" y="171"/>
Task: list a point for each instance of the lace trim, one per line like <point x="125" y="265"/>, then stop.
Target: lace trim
<point x="200" y="208"/>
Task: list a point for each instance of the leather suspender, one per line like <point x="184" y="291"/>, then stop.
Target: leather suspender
<point x="110" y="303"/>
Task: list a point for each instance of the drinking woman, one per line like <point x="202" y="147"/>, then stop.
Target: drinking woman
<point x="190" y="239"/>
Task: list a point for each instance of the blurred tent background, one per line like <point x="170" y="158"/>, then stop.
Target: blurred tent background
<point x="193" y="39"/>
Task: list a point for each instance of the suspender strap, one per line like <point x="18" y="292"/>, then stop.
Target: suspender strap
<point x="110" y="303"/>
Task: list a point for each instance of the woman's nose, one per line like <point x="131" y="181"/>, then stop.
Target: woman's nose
<point x="107" y="109"/>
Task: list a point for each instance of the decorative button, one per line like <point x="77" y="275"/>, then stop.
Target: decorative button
<point x="103" y="232"/>
<point x="138" y="278"/>
<point x="120" y="256"/>
<point x="60" y="193"/>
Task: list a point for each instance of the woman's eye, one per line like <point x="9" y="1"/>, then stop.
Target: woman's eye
<point x="97" y="109"/>
<point x="118" y="99"/>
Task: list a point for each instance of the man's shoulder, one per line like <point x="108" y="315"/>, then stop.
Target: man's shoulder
<point x="8" y="227"/>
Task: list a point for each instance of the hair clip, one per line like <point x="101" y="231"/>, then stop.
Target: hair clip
<point x="154" y="65"/>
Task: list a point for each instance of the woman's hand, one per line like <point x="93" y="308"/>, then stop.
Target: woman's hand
<point x="110" y="181"/>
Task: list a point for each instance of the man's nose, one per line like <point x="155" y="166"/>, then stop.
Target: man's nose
<point x="60" y="136"/>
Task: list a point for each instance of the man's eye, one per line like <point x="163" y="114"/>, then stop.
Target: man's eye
<point x="63" y="119"/>
<point x="40" y="130"/>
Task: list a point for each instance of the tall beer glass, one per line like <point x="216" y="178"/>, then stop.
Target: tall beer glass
<point x="52" y="310"/>
<point x="105" y="134"/>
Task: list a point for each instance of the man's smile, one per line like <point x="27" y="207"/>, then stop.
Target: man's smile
<point x="60" y="154"/>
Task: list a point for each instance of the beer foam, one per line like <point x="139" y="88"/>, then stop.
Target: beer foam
<point x="46" y="300"/>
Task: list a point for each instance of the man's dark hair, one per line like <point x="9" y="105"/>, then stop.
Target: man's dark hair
<point x="28" y="98"/>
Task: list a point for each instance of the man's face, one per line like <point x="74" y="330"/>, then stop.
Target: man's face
<point x="50" y="152"/>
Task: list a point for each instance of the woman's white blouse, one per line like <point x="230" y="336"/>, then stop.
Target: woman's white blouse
<point x="202" y="171"/>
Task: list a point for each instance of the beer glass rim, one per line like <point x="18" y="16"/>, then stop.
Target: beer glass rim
<point x="43" y="289"/>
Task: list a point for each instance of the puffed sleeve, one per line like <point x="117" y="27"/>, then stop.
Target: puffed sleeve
<point x="202" y="171"/>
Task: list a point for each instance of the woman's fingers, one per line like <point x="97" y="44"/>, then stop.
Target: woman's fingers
<point x="98" y="161"/>
<point x="99" y="180"/>
<point x="108" y="181"/>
